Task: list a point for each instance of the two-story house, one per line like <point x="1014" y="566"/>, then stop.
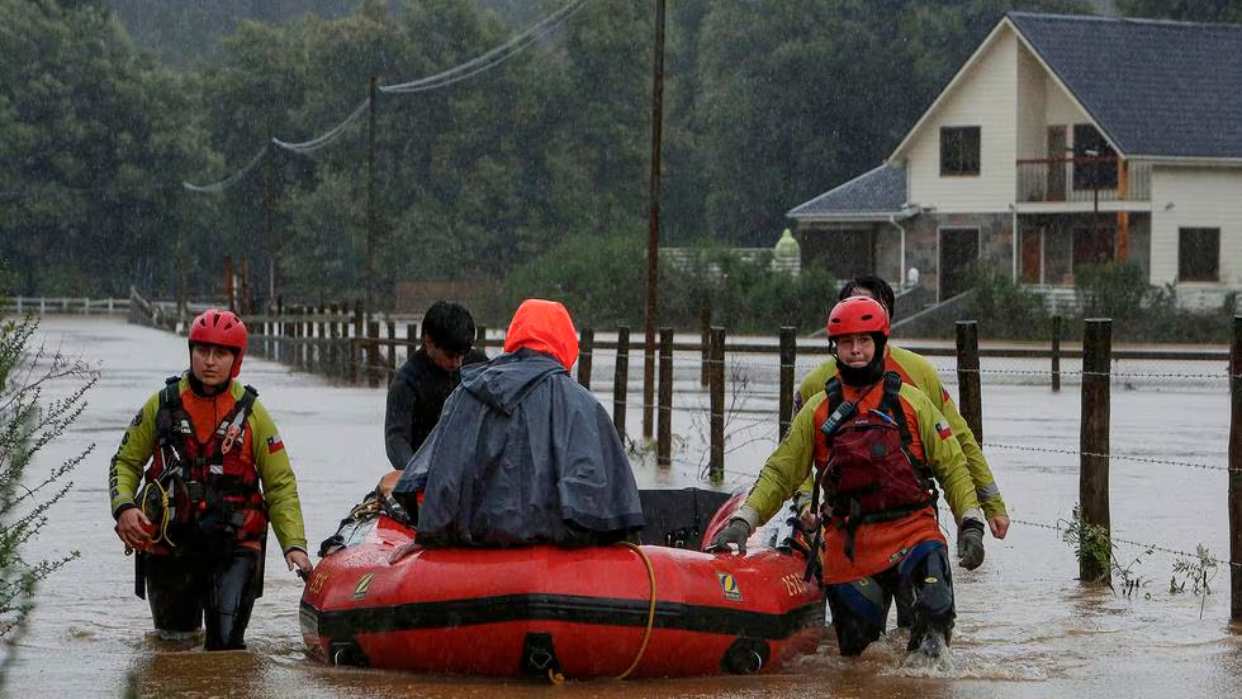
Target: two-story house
<point x="1062" y="141"/>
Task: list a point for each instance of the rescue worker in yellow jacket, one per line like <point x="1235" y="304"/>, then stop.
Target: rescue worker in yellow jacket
<point x="915" y="370"/>
<point x="201" y="448"/>
<point x="878" y="447"/>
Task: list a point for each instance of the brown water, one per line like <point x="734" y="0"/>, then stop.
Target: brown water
<point x="1025" y="627"/>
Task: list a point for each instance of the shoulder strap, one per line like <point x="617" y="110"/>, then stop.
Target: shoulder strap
<point x="241" y="410"/>
<point x="891" y="404"/>
<point x="169" y="406"/>
<point x="835" y="395"/>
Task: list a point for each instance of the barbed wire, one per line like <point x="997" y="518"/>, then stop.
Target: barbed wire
<point x="1129" y="542"/>
<point x="1117" y="457"/>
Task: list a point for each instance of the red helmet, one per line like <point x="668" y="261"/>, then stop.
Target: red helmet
<point x="857" y="314"/>
<point x="215" y="326"/>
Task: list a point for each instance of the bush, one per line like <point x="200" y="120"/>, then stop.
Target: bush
<point x="1004" y="309"/>
<point x="602" y="281"/>
<point x="1117" y="291"/>
<point x="28" y="423"/>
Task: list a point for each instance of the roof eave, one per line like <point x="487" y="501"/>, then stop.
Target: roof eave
<point x="856" y="216"/>
<point x="1205" y="160"/>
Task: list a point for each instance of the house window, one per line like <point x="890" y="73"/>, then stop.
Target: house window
<point x="959" y="150"/>
<point x="1198" y="254"/>
<point x="1093" y="172"/>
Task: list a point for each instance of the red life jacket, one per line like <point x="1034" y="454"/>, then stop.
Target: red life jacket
<point x="865" y="469"/>
<point x="213" y="486"/>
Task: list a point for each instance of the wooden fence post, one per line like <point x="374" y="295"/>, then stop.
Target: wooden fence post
<point x="1094" y="444"/>
<point x="664" y="428"/>
<point x="392" y="348"/>
<point x="969" y="394"/>
<point x="373" y="358"/>
<point x="717" y="381"/>
<point x="278" y="332"/>
<point x="411" y="339"/>
<point x="705" y="335"/>
<point x="355" y="345"/>
<point x="1235" y="474"/>
<point x="789" y="355"/>
<point x="480" y="338"/>
<point x="1056" y="353"/>
<point x="321" y="347"/>
<point x="299" y="333"/>
<point x="586" y="345"/>
<point x="620" y="381"/>
<point x="333" y="346"/>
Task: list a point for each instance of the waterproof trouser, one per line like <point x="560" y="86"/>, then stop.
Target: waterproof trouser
<point x="187" y="590"/>
<point x="860" y="608"/>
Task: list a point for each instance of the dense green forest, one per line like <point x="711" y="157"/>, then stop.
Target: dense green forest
<point x="107" y="107"/>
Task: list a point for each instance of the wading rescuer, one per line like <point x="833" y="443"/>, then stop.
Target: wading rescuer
<point x="218" y="473"/>
<point x="915" y="370"/>
<point x="878" y="447"/>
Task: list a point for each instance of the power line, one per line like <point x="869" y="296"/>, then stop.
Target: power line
<point x="307" y="147"/>
<point x="464" y="71"/>
<point x="231" y="180"/>
<point x="494" y="57"/>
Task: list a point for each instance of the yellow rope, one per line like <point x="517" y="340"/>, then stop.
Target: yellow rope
<point x="651" y="607"/>
<point x="165" y="517"/>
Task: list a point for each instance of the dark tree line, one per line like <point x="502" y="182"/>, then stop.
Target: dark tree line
<point x="767" y="104"/>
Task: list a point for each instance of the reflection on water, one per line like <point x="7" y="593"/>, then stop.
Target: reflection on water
<point x="1025" y="626"/>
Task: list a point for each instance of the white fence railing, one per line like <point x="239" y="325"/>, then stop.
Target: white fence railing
<point x="43" y="305"/>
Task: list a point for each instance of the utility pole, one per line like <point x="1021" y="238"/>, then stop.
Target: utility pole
<point x="372" y="214"/>
<point x="653" y="235"/>
<point x="268" y="233"/>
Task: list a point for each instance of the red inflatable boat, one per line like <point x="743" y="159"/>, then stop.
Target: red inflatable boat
<point x="612" y="611"/>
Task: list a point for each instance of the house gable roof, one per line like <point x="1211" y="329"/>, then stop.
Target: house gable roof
<point x="874" y="195"/>
<point x="1157" y="88"/>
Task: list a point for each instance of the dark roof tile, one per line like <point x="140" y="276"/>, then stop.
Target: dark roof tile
<point x="1156" y="87"/>
<point x="880" y="191"/>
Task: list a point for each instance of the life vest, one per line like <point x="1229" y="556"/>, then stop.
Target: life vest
<point x="207" y="488"/>
<point x="864" y="466"/>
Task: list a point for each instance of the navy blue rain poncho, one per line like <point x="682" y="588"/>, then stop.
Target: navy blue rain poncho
<point x="522" y="454"/>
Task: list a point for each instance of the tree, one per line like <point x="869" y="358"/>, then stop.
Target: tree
<point x="28" y="423"/>
<point x="94" y="138"/>
<point x="1187" y="10"/>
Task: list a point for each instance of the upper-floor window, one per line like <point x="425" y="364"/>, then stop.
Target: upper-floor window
<point x="1098" y="171"/>
<point x="1198" y="254"/>
<point x="959" y="150"/>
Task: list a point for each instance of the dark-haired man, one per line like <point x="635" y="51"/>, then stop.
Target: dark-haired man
<point x="424" y="382"/>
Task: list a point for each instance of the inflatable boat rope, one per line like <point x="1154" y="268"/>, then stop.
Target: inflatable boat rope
<point x="651" y="607"/>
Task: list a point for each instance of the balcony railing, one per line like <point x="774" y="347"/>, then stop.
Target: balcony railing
<point x="1083" y="179"/>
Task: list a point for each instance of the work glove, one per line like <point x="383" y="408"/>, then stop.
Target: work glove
<point x="736" y="532"/>
<point x="970" y="544"/>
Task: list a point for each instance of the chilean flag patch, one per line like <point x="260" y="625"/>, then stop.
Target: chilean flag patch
<point x="274" y="444"/>
<point x="944" y="395"/>
<point x="942" y="429"/>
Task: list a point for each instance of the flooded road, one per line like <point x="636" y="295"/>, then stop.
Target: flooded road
<point x="1025" y="626"/>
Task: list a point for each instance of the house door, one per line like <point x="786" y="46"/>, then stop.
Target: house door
<point x="959" y="248"/>
<point x="1094" y="245"/>
<point x="1056" y="168"/>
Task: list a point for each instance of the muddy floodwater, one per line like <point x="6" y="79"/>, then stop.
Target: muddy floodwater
<point x="1025" y="626"/>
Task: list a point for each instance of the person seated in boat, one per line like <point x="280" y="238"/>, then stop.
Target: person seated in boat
<point x="522" y="453"/>
<point x="876" y="445"/>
